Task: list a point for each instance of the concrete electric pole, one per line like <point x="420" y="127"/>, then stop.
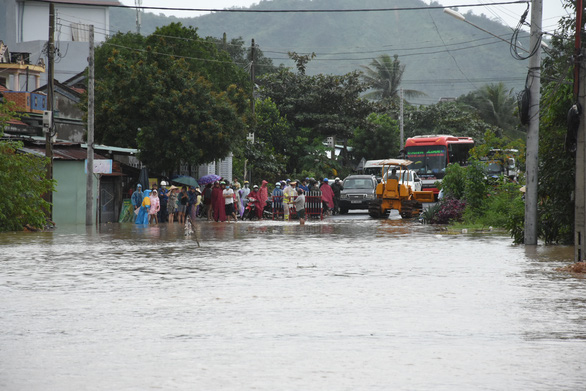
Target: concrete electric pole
<point x="579" y="89"/>
<point x="50" y="101"/>
<point x="534" y="80"/>
<point x="89" y="194"/>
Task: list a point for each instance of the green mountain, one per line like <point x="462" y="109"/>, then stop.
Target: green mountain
<point x="444" y="57"/>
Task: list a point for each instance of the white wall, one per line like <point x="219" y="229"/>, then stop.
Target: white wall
<point x="25" y="28"/>
<point x="33" y="22"/>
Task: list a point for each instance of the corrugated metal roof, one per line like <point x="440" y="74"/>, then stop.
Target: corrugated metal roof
<point x="88" y="2"/>
<point x="112" y="149"/>
<point x="73" y="153"/>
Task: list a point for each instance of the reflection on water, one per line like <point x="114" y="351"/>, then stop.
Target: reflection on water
<point x="348" y="303"/>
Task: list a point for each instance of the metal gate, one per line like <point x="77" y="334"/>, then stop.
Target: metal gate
<point x="107" y="205"/>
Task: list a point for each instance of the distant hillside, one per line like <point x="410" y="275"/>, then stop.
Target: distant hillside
<point x="444" y="57"/>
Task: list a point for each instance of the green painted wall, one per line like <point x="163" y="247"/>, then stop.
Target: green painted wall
<point x="69" y="199"/>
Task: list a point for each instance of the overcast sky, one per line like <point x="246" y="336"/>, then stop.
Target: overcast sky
<point x="507" y="14"/>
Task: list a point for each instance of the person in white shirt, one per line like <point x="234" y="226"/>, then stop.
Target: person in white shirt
<point x="228" y="194"/>
<point x="300" y="206"/>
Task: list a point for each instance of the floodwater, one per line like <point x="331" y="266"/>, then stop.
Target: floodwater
<point x="349" y="303"/>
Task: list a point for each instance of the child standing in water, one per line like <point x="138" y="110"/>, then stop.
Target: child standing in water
<point x="155" y="207"/>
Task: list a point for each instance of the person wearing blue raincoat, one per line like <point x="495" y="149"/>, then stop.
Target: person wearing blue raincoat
<point x="143" y="213"/>
<point x="136" y="199"/>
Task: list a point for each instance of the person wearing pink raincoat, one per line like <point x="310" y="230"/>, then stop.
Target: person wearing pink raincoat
<point x="155" y="207"/>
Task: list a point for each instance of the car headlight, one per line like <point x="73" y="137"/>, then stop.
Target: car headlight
<point x="343" y="196"/>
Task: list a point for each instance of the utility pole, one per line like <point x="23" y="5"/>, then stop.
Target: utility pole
<point x="50" y="99"/>
<point x="534" y="80"/>
<point x="252" y="77"/>
<point x="89" y="194"/>
<point x="138" y="4"/>
<point x="401" y="124"/>
<point x="252" y="105"/>
<point x="580" y="190"/>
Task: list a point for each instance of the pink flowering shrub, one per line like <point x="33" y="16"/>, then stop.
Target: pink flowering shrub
<point x="448" y="210"/>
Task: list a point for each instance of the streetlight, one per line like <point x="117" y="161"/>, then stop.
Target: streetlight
<point x="459" y="16"/>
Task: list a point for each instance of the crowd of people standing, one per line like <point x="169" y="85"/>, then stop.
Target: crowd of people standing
<point x="224" y="201"/>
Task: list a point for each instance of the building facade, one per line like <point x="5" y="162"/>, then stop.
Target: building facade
<point x="24" y="28"/>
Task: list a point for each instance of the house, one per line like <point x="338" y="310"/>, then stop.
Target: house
<point x="69" y="170"/>
<point x="68" y="116"/>
<point x="24" y="28"/>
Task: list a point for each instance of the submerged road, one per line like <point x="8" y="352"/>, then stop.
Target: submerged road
<point x="348" y="303"/>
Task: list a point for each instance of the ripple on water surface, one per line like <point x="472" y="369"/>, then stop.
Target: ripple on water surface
<point x="346" y="303"/>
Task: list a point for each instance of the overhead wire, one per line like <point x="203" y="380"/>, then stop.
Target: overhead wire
<point x="448" y="50"/>
<point x="446" y="45"/>
<point x="253" y="10"/>
<point x="515" y="40"/>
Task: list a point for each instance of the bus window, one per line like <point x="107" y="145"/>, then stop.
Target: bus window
<point x="459" y="153"/>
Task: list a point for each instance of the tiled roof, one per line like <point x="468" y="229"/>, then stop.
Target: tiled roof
<point x="16" y="122"/>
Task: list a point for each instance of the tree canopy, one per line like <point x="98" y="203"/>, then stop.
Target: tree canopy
<point x="495" y="104"/>
<point x="316" y="107"/>
<point x="384" y="76"/>
<point x="172" y="94"/>
<point x="378" y="140"/>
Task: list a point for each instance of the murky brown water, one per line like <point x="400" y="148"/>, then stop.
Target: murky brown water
<point x="346" y="304"/>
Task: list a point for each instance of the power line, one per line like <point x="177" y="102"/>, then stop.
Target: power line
<point x="446" y="50"/>
<point x="243" y="10"/>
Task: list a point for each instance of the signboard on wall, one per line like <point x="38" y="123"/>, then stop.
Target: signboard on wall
<point x="101" y="166"/>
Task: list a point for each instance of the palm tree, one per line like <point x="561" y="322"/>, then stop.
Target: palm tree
<point x="497" y="105"/>
<point x="384" y="78"/>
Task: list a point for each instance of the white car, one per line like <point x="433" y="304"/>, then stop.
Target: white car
<point x="409" y="178"/>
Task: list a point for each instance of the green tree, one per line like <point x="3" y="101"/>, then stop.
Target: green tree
<point x="384" y="76"/>
<point x="454" y="182"/>
<point x="26" y="177"/>
<point x="445" y="118"/>
<point x="242" y="55"/>
<point x="556" y="166"/>
<point x="379" y="139"/>
<point x="495" y="104"/>
<point x="172" y="95"/>
<point x="267" y="157"/>
<point x="316" y="107"/>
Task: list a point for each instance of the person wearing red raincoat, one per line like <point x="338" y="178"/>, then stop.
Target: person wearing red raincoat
<point x="263" y="196"/>
<point x="327" y="194"/>
<point x="218" y="204"/>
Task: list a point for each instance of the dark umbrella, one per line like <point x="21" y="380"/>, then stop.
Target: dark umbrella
<point x="204" y="180"/>
<point x="143" y="178"/>
<point x="185" y="180"/>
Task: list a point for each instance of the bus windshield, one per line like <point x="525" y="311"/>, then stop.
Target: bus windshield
<point x="427" y="160"/>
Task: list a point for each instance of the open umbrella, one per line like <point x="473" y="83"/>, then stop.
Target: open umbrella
<point x="204" y="180"/>
<point x="185" y="180"/>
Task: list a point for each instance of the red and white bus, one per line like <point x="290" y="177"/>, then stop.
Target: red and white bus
<point x="432" y="154"/>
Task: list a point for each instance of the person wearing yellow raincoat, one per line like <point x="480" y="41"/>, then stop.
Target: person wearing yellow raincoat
<point x="143" y="212"/>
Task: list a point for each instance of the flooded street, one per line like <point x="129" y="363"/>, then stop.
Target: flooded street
<point x="348" y="303"/>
